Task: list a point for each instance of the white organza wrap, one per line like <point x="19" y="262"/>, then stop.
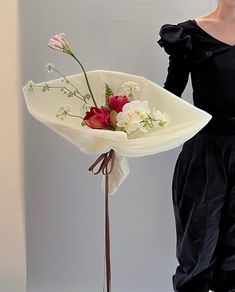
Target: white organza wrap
<point x="185" y="119"/>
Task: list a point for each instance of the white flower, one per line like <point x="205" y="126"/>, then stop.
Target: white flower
<point x="63" y="112"/>
<point x="49" y="67"/>
<point x="163" y="117"/>
<point x="130" y="86"/>
<point x="57" y="42"/>
<point x="132" y="114"/>
<point x="29" y="85"/>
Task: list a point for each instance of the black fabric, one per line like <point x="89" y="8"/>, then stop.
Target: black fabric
<point x="203" y="184"/>
<point x="209" y="62"/>
<point x="203" y="194"/>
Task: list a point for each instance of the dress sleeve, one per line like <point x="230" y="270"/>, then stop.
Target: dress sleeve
<point x="177" y="44"/>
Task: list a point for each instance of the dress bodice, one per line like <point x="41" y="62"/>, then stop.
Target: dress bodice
<point x="210" y="63"/>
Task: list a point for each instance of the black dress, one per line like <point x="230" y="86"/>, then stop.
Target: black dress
<point x="203" y="184"/>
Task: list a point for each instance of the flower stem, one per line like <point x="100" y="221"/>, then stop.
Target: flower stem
<point x="66" y="88"/>
<point x="75" y="116"/>
<point x="88" y="85"/>
<point x="68" y="81"/>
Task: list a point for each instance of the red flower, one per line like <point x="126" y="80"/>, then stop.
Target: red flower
<point x="97" y="118"/>
<point x="117" y="102"/>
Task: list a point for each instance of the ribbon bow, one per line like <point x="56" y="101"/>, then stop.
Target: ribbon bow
<point x="106" y="157"/>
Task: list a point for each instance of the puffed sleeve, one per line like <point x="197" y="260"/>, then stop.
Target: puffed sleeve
<point x="177" y="44"/>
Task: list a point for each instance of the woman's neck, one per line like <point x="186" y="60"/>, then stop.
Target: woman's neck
<point x="225" y="12"/>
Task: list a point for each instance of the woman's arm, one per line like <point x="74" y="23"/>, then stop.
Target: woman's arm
<point x="177" y="44"/>
<point x="177" y="75"/>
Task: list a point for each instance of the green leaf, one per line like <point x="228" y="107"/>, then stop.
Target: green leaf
<point x="120" y="129"/>
<point x="108" y="93"/>
<point x="70" y="94"/>
<point x="87" y="96"/>
<point x="45" y="87"/>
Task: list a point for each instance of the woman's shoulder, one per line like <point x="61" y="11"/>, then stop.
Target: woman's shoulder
<point x="180" y="28"/>
<point x="176" y="37"/>
<point x="187" y="40"/>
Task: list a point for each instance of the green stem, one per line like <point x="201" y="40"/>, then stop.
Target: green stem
<point x="88" y="85"/>
<point x="68" y="81"/>
<point x="75" y="116"/>
<point x="66" y="88"/>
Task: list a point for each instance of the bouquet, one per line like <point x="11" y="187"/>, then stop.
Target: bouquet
<point x="122" y="114"/>
<point x="119" y="113"/>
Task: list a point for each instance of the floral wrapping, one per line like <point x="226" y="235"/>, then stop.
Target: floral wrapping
<point x="185" y="120"/>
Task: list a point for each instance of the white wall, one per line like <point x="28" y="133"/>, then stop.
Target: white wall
<point x="12" y="234"/>
<point x="65" y="227"/>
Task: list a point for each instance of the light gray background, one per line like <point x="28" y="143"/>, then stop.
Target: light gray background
<point x="65" y="228"/>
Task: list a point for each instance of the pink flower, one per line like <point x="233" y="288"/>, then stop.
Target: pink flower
<point x="58" y="43"/>
<point x="97" y="118"/>
<point x="117" y="102"/>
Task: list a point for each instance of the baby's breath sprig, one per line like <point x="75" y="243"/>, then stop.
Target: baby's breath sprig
<point x="45" y="87"/>
<point x="64" y="112"/>
<point x="130" y="87"/>
<point x="49" y="67"/>
<point x="30" y="85"/>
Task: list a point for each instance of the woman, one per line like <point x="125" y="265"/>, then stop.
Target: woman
<point x="203" y="185"/>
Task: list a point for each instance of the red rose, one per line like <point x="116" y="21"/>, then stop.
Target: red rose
<point x="117" y="102"/>
<point x="97" y="118"/>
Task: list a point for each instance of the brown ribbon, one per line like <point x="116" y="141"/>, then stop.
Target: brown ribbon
<point x="106" y="158"/>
